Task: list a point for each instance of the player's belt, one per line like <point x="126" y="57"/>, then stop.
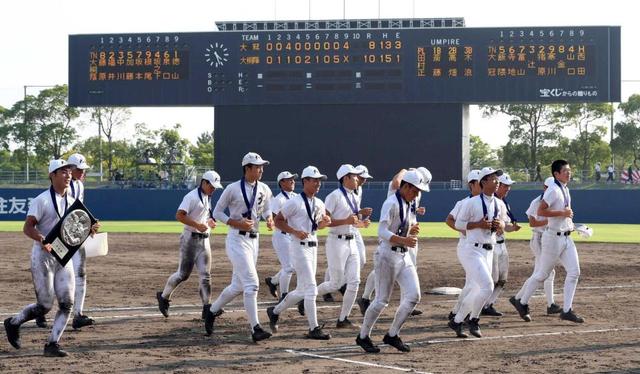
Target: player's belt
<point x="200" y="235"/>
<point x="488" y="247"/>
<point x="283" y="233"/>
<point x="500" y="241"/>
<point x="563" y="233"/>
<point x="345" y="236"/>
<point x="251" y="234"/>
<point x="399" y="249"/>
<point x="309" y="244"/>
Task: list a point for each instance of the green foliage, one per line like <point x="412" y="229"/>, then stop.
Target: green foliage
<point x="202" y="152"/>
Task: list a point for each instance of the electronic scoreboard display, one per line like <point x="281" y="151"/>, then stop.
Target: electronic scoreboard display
<point x="347" y="66"/>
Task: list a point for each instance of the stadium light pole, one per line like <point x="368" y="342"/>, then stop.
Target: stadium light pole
<point x="25" y="119"/>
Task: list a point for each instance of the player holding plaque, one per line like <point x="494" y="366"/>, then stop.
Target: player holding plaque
<point x="52" y="276"/>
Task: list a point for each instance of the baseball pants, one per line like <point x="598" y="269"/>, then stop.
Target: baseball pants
<point x="392" y="267"/>
<point x="344" y="267"/>
<point x="282" y="245"/>
<point x="536" y="248"/>
<point x="475" y="261"/>
<point x="193" y="251"/>
<point x="304" y="259"/>
<point x="499" y="271"/>
<point x="50" y="280"/>
<point x="555" y="249"/>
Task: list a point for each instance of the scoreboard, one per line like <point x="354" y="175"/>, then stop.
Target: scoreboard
<point x="347" y="66"/>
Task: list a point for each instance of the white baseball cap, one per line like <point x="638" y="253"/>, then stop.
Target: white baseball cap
<point x="79" y="161"/>
<point x="415" y="178"/>
<point x="213" y="178"/>
<point x="253" y="159"/>
<point x="474" y="175"/>
<point x="425" y="173"/>
<point x="365" y="172"/>
<point x="312" y="172"/>
<point x="505" y="179"/>
<point x="348" y="169"/>
<point x="57" y="164"/>
<point x="549" y="181"/>
<point x="286" y="175"/>
<point x="488" y="171"/>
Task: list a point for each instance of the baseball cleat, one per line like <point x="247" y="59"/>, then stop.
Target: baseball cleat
<point x="343" y="289"/>
<point x="571" y="316"/>
<point x="367" y="344"/>
<point x="163" y="304"/>
<point x="328" y="298"/>
<point x="209" y="319"/>
<point x="523" y="310"/>
<point x="451" y="316"/>
<point x="554" y="309"/>
<point x="301" y="307"/>
<point x="41" y="321"/>
<point x="259" y="334"/>
<point x="273" y="319"/>
<point x="490" y="311"/>
<point x="52" y="349"/>
<point x="474" y="327"/>
<point x="363" y="304"/>
<point x="416" y="312"/>
<point x="13" y="333"/>
<point x="395" y="342"/>
<point x="284" y="294"/>
<point x="457" y="327"/>
<point x="80" y="321"/>
<point x="318" y="334"/>
<point x="273" y="289"/>
<point x="345" y="323"/>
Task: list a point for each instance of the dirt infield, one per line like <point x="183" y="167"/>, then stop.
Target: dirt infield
<point x="132" y="336"/>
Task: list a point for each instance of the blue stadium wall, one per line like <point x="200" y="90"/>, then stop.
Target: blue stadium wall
<point x="592" y="206"/>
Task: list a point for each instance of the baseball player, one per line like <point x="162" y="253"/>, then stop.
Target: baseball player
<point x="538" y="225"/>
<point x="247" y="200"/>
<point x="473" y="182"/>
<point x="394" y="184"/>
<point x="343" y="258"/>
<point x="49" y="277"/>
<point x="557" y="245"/>
<point x="392" y="263"/>
<point x="300" y="217"/>
<point x="79" y="259"/>
<point x="281" y="240"/>
<point x="500" y="266"/>
<point x="481" y="217"/>
<point x="194" y="212"/>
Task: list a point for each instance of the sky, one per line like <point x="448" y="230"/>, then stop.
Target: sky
<point x="34" y="37"/>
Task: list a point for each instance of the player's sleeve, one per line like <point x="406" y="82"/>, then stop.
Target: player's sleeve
<point x="387" y="214"/>
<point x="187" y="204"/>
<point x="222" y="205"/>
<point x="266" y="213"/>
<point x="331" y="202"/>
<point x="533" y="208"/>
<point x="456" y="209"/>
<point x="550" y="196"/>
<point x="465" y="214"/>
<point x="288" y="208"/>
<point x="36" y="209"/>
<point x="275" y="205"/>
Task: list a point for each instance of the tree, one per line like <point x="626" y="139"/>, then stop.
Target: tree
<point x="531" y="127"/>
<point x="109" y="119"/>
<point x="202" y="152"/>
<point x="54" y="118"/>
<point x="584" y="117"/>
<point x="627" y="140"/>
<point x="481" y="153"/>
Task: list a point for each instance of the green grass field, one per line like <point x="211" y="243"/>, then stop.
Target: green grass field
<point x="603" y="233"/>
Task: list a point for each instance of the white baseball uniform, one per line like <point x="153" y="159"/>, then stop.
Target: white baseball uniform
<point x="195" y="248"/>
<point x="500" y="260"/>
<point x="49" y="277"/>
<point x="281" y="244"/>
<point x="536" y="248"/>
<point x="393" y="264"/>
<point x="362" y="249"/>
<point x="557" y="245"/>
<point x="343" y="258"/>
<point x="413" y="252"/>
<point x="474" y="254"/>
<point x="242" y="246"/>
<point x="465" y="290"/>
<point x="79" y="259"/>
<point x="304" y="254"/>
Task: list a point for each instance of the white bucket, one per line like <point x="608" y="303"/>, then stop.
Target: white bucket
<point x="96" y="246"/>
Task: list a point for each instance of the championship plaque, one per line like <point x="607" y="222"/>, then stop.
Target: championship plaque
<point x="70" y="232"/>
